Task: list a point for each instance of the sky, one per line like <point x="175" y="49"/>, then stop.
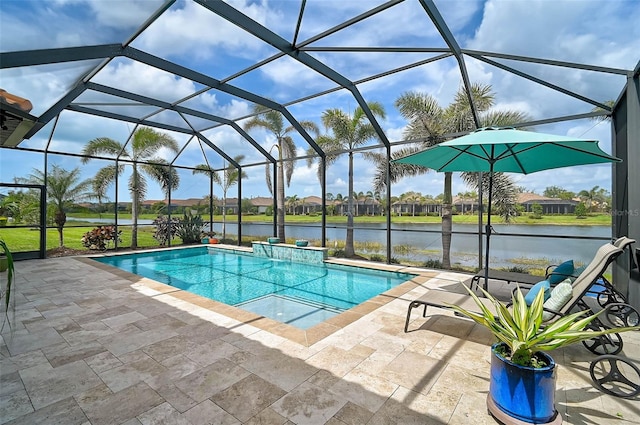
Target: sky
<point x="602" y="33"/>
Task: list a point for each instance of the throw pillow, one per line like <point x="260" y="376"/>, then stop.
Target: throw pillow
<point x="560" y="295"/>
<point x="543" y="285"/>
<point x="561" y="272"/>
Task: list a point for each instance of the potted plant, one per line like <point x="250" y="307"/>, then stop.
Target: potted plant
<point x="208" y="237"/>
<point x="522" y="382"/>
<point x="273" y="240"/>
<point x="302" y="242"/>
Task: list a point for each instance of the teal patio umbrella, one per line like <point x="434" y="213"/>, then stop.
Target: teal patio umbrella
<point x="507" y="150"/>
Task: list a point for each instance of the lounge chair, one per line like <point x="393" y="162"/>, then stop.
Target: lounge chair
<point x="581" y="287"/>
<point x="526" y="280"/>
<point x="509" y="277"/>
<point x="607" y="344"/>
<point x="610" y="294"/>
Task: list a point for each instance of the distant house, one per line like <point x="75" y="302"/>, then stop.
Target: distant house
<point x="465" y="205"/>
<point x="403" y="207"/>
<point x="175" y="203"/>
<point x="262" y="203"/>
<point x="549" y="205"/>
<point x="310" y="204"/>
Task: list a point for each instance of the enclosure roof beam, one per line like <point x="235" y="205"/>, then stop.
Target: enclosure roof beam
<point x="563" y="64"/>
<point x="181" y="109"/>
<point x="57" y="55"/>
<point x="544" y="83"/>
<point x="190" y="74"/>
<point x="448" y="37"/>
<point x="218" y="150"/>
<point x="252" y="27"/>
<point x="56" y="108"/>
<point x="349" y="22"/>
<point x="126" y="118"/>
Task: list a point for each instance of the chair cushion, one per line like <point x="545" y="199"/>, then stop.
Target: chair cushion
<point x="561" y="272"/>
<point x="560" y="295"/>
<point x="577" y="273"/>
<point x="543" y="285"/>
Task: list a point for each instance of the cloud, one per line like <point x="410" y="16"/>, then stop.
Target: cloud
<point x="602" y="33"/>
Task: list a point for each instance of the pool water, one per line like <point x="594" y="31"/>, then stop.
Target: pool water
<point x="299" y="294"/>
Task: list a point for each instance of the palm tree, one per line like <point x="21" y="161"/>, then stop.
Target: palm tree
<point x="430" y="121"/>
<point x="340" y="199"/>
<point x="63" y="189"/>
<point x="369" y="197"/>
<point x="145" y="144"/>
<point x="229" y="178"/>
<point x="292" y="203"/>
<point x="592" y="197"/>
<point x="413" y="198"/>
<point x="273" y="122"/>
<point x="359" y="198"/>
<point x="349" y="132"/>
<point x="330" y="205"/>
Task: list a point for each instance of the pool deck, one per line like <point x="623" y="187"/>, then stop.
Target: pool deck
<point x="90" y="344"/>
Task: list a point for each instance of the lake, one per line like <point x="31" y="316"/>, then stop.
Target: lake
<point x="509" y="241"/>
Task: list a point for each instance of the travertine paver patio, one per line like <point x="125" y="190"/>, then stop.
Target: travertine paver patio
<point x="89" y="346"/>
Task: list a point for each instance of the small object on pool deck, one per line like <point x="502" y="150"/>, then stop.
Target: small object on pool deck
<point x="302" y="242"/>
<point x="273" y="240"/>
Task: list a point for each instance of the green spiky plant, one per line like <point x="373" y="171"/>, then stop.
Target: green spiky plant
<point x="5" y="290"/>
<point x="521" y="328"/>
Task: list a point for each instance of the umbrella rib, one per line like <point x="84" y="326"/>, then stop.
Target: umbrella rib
<point x="515" y="155"/>
<point x="509" y="152"/>
<point x="605" y="156"/>
<point x="460" y="152"/>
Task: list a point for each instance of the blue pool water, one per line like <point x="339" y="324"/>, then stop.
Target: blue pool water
<point x="301" y="295"/>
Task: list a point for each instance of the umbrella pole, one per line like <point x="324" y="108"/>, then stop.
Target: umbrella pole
<point x="488" y="229"/>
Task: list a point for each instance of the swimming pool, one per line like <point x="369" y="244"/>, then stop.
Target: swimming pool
<point x="298" y="294"/>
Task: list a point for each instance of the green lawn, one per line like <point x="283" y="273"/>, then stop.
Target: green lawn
<point x="21" y="239"/>
<point x="24" y="239"/>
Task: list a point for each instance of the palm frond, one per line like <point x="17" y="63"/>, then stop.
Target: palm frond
<point x="102" y="145"/>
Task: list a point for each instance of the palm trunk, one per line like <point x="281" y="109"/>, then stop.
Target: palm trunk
<point x="446" y="222"/>
<point x="135" y="198"/>
<point x="224" y="214"/>
<point x="349" y="251"/>
<point x="60" y="219"/>
<point x="280" y="200"/>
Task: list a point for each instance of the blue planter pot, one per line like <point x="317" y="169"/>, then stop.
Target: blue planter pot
<point x="523" y="393"/>
<point x="273" y="240"/>
<point x="302" y="243"/>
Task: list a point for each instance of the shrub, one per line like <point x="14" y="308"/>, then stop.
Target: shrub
<point x="165" y="229"/>
<point x="536" y="211"/>
<point x="433" y="264"/>
<point x="339" y="253"/>
<point x="518" y="269"/>
<point x="377" y="257"/>
<point x="189" y="228"/>
<point x="581" y="210"/>
<point x="100" y="237"/>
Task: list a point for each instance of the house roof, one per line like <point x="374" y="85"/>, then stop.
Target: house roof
<point x="15" y="101"/>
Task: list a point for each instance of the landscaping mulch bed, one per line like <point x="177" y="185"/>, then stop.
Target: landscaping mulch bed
<point x="65" y="252"/>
